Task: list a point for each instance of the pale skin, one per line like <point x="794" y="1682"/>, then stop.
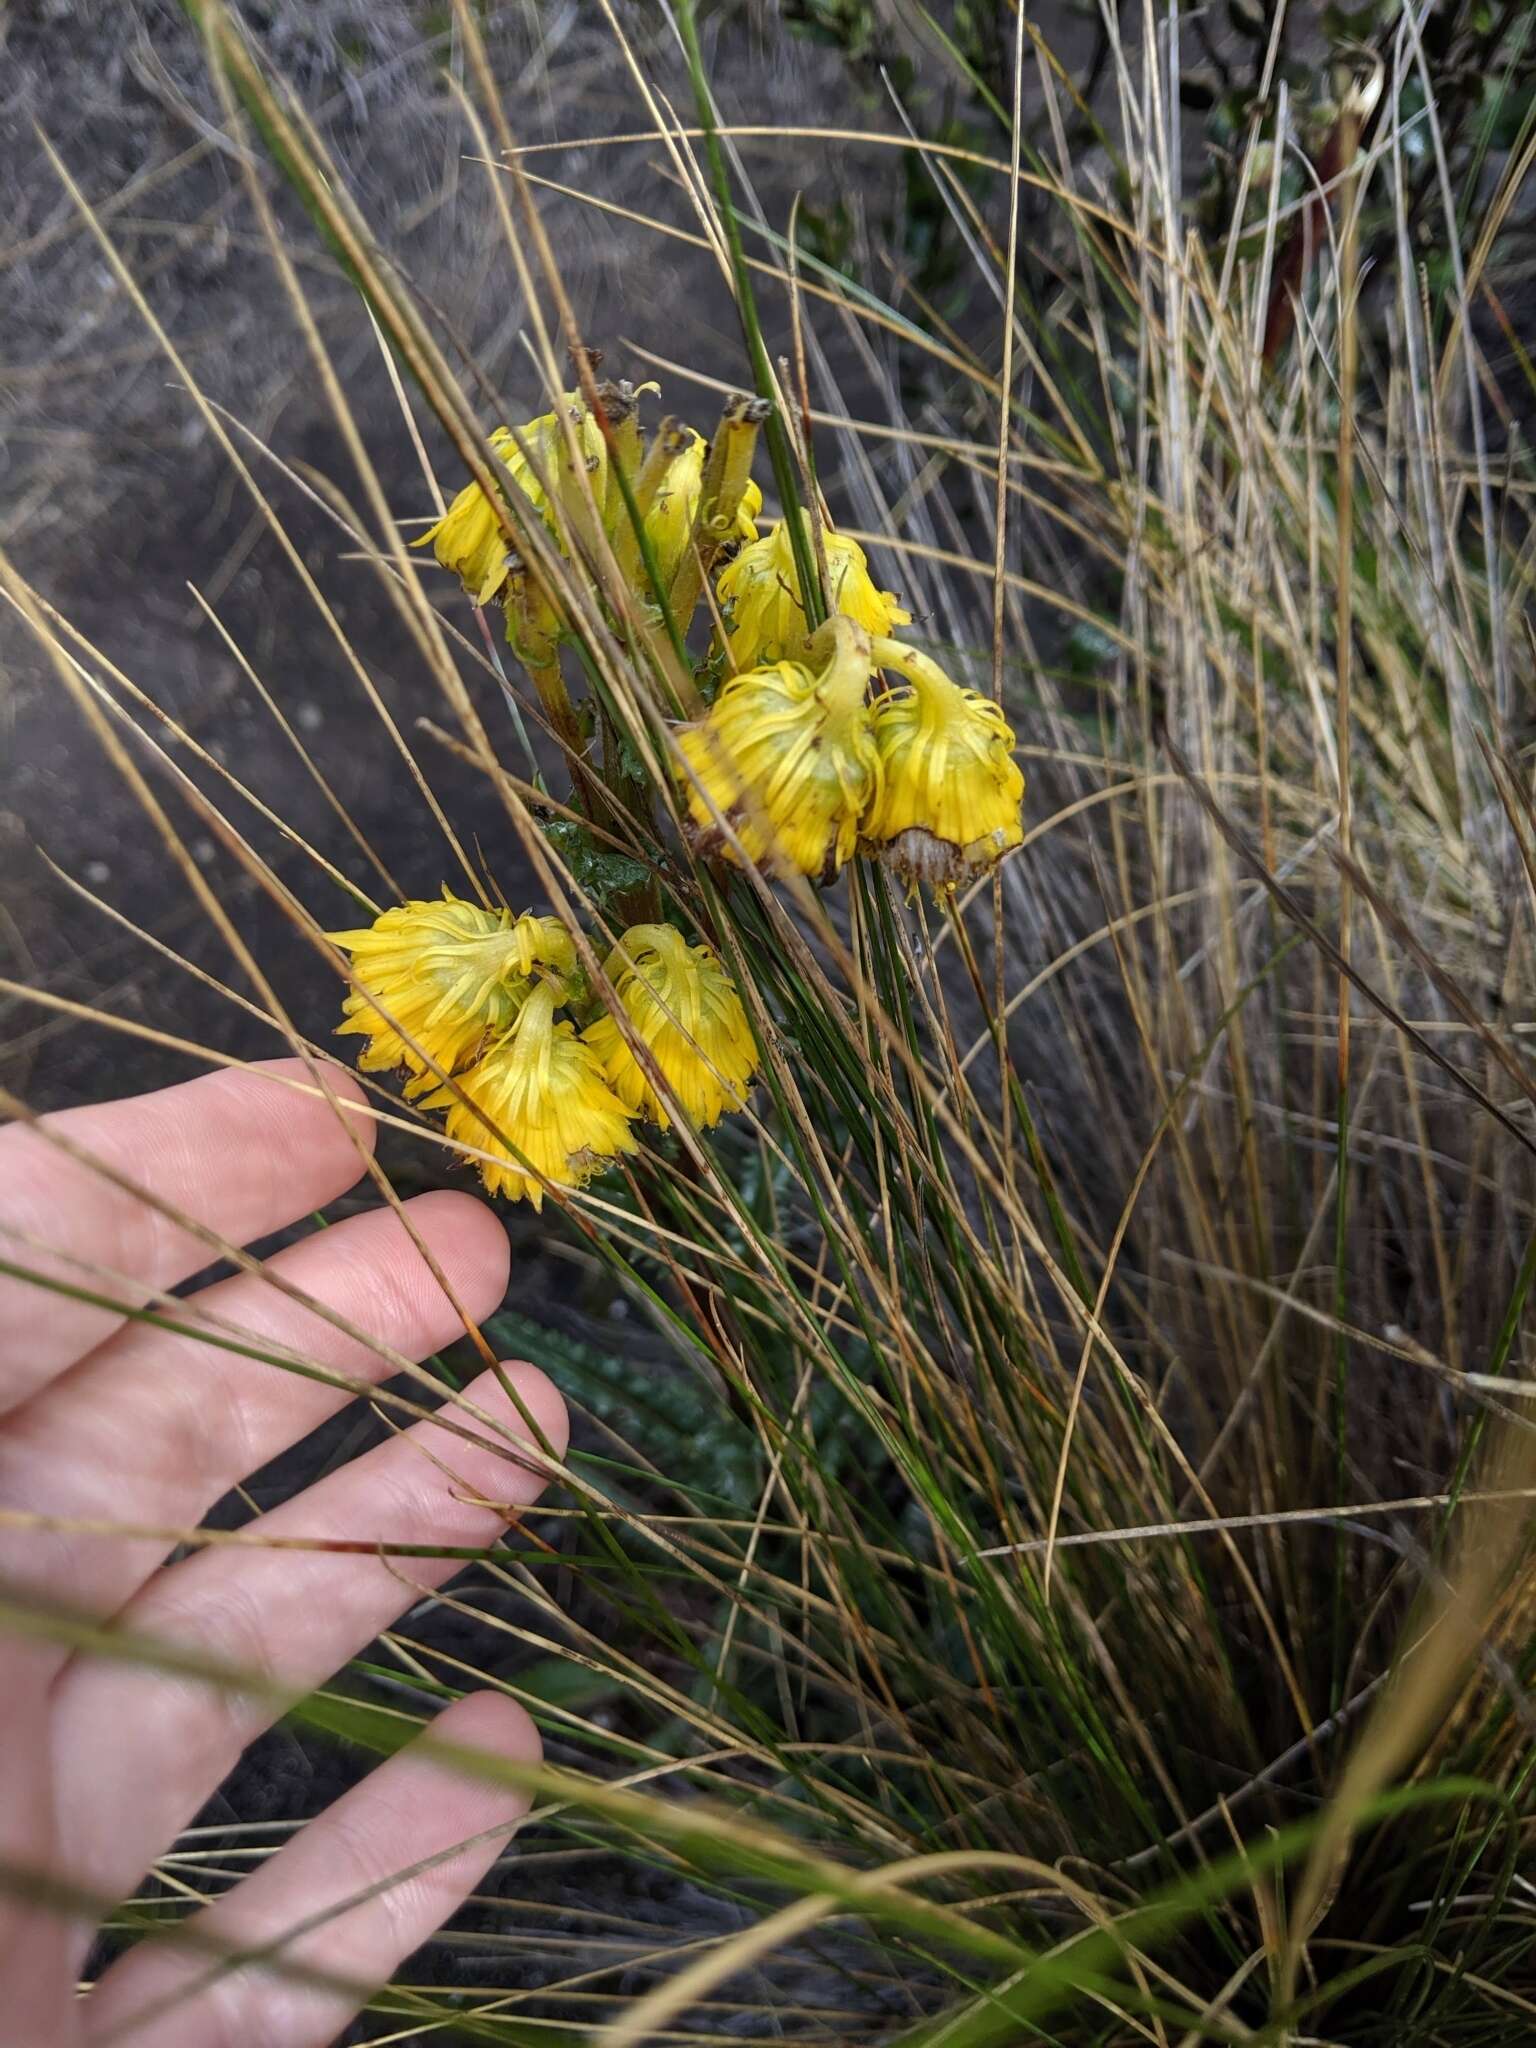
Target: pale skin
<point x="106" y="1419"/>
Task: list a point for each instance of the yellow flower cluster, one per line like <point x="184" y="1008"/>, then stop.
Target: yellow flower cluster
<point x="762" y="591"/>
<point x="791" y="766"/>
<point x="568" y="469"/>
<point x="466" y="1001"/>
<point x="450" y="976"/>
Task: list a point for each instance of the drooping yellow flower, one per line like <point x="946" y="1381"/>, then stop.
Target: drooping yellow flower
<point x="786" y="756"/>
<point x="669" y="521"/>
<point x="684" y="1008"/>
<point x="762" y="591"/>
<point x="469" y="538"/>
<point x="449" y="974"/>
<point x="539" y="1103"/>
<point x="547" y="444"/>
<point x="950" y="791"/>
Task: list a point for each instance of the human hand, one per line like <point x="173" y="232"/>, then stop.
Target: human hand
<point x="108" y="1420"/>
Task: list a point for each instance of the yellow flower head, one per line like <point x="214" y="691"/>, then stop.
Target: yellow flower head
<point x="950" y="791"/>
<point x="539" y="1104"/>
<point x="545" y="441"/>
<point x="469" y="538"/>
<point x="450" y="974"/>
<point x="669" y="522"/>
<point x="684" y="1008"/>
<point x="763" y="593"/>
<point x="785" y="754"/>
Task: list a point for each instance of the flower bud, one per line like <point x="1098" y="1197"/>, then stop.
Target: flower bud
<point x="669" y="522"/>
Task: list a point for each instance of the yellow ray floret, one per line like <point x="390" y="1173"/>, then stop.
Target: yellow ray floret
<point x="950" y="791"/>
<point x="684" y="1008"/>
<point x="449" y="974"/>
<point x="540" y="1105"/>
<point x="762" y="592"/>
<point x="469" y="540"/>
<point x="786" y="756"/>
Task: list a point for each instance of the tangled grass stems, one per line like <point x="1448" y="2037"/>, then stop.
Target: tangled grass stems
<point x="1067" y="1502"/>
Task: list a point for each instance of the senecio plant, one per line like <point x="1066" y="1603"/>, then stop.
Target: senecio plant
<point x="811" y="740"/>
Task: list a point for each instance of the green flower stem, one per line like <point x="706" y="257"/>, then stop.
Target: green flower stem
<point x="917" y="667"/>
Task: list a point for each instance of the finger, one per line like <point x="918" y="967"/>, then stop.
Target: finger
<point x="158" y="1744"/>
<point x="36" y="1960"/>
<point x="239" y="1151"/>
<point x="411" y="1811"/>
<point x="154" y="1428"/>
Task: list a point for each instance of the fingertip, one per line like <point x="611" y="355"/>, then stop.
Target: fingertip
<point x="542" y="1399"/>
<point x="522" y="1411"/>
<point x="307" y="1067"/>
<point x="491" y="1721"/>
<point x="300" y="1126"/>
<point x="345" y="1901"/>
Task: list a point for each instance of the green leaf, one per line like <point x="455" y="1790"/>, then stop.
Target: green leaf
<point x="601" y="871"/>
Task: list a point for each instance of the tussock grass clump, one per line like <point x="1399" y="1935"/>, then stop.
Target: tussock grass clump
<point x="1067" y="1576"/>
